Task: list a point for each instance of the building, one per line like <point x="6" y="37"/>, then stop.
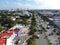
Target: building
<point x="2" y="41"/>
<point x="13" y="18"/>
<point x="25" y="12"/>
<point x="9" y="37"/>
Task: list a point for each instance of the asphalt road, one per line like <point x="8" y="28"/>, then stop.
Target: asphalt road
<point x="41" y="40"/>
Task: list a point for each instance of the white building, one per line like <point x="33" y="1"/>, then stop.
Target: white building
<point x="10" y="40"/>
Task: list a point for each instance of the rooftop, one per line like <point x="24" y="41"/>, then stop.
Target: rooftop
<point x="7" y="34"/>
<point x="2" y="41"/>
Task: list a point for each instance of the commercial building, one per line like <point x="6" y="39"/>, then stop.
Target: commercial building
<point x="8" y="37"/>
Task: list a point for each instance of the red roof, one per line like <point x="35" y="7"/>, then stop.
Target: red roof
<point x="11" y="31"/>
<point x="8" y="33"/>
<point x="2" y="41"/>
<point x="5" y="34"/>
<point x="16" y="31"/>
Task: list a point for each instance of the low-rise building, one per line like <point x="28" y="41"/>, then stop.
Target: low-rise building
<point x="9" y="37"/>
<point x="12" y="35"/>
<point x="2" y="41"/>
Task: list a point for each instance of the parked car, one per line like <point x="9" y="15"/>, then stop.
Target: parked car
<point x="50" y="34"/>
<point x="40" y="31"/>
<point x="48" y="27"/>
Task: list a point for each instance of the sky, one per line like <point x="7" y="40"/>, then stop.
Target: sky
<point x="30" y="4"/>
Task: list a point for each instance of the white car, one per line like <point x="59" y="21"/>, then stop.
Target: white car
<point x="38" y="35"/>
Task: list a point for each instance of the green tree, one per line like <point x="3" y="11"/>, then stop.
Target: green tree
<point x="1" y="28"/>
<point x="31" y="41"/>
<point x="25" y="21"/>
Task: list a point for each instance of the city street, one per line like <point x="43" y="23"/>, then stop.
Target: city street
<point x="41" y="40"/>
<point x="53" y="38"/>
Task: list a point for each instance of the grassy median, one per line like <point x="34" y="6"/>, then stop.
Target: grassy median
<point x="43" y="29"/>
<point x="47" y="38"/>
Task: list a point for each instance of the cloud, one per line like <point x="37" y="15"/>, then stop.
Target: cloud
<point x="31" y="4"/>
<point x="49" y="4"/>
<point x="42" y="4"/>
